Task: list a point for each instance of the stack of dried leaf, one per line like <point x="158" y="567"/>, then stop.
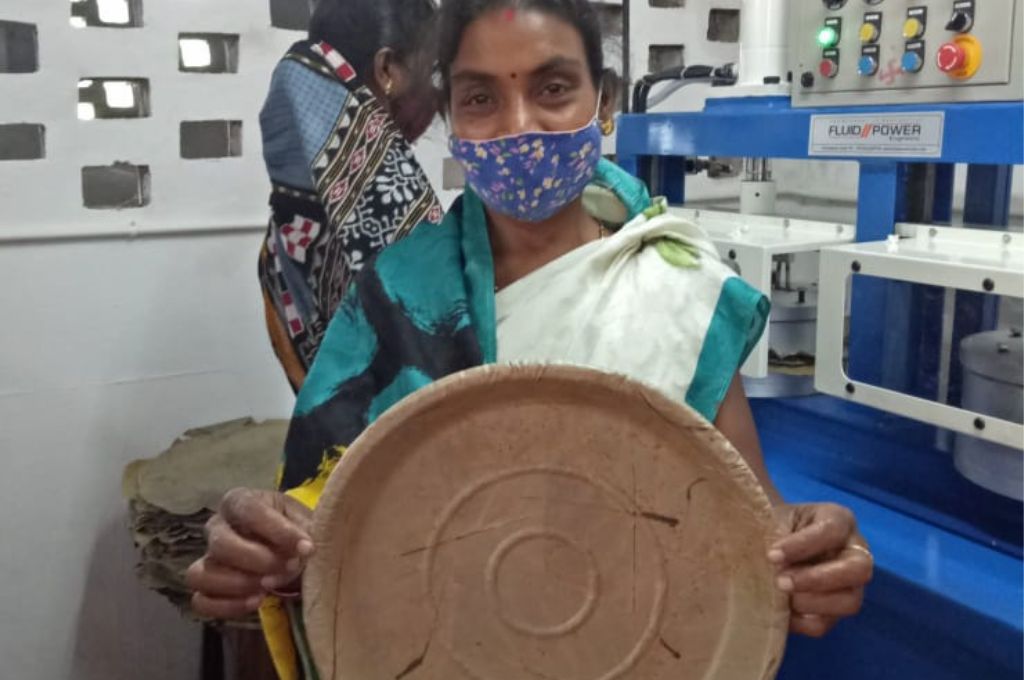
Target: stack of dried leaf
<point x="173" y="495"/>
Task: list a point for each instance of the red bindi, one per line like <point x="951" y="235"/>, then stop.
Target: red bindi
<point x="509" y="14"/>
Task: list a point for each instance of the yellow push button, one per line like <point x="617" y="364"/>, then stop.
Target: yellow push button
<point x="913" y="28"/>
<point x="868" y="33"/>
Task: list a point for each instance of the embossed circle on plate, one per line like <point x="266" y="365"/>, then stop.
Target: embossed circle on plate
<point x="543" y="581"/>
<point x="532" y="523"/>
<point x="549" y="546"/>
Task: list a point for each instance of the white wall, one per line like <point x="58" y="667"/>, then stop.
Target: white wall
<point x="186" y="194"/>
<point x="108" y="350"/>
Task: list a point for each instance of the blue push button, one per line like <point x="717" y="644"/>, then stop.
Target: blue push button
<point x="912" y="62"/>
<point x="867" y="66"/>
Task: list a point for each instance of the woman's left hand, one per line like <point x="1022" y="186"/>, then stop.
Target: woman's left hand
<point x="824" y="564"/>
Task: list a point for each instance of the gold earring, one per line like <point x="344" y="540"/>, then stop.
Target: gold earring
<point x="388" y="88"/>
<point x="608" y="127"/>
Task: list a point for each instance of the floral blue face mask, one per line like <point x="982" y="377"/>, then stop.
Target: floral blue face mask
<point x="530" y="176"/>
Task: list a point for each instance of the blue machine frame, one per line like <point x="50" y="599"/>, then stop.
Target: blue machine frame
<point x="947" y="599"/>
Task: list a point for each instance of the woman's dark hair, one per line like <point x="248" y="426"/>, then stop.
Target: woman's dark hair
<point x="456" y="15"/>
<point x="361" y="28"/>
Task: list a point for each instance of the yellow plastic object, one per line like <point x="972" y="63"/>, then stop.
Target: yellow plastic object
<point x="972" y="57"/>
<point x="868" y="32"/>
<point x="913" y="28"/>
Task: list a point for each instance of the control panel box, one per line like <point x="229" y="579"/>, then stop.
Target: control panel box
<point x="870" y="52"/>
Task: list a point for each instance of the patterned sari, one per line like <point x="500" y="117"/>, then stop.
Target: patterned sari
<point x="345" y="185"/>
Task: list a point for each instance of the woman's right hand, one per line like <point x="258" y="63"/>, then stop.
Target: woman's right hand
<point x="257" y="543"/>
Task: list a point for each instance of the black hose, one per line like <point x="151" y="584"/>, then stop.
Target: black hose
<point x="717" y="76"/>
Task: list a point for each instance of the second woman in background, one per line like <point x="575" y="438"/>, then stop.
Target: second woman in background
<point x="343" y="110"/>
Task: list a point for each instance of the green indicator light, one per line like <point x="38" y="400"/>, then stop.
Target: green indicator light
<point x="828" y="37"/>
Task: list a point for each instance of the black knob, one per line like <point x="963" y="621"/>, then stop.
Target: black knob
<point x="960" y="23"/>
<point x="807" y="79"/>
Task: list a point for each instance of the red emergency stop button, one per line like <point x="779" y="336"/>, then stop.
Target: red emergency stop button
<point x="960" y="58"/>
<point x="828" y="68"/>
<point x="951" y="57"/>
